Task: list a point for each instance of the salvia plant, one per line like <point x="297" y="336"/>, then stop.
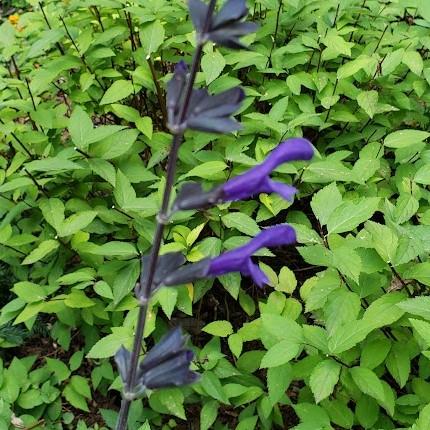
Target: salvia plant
<point x="168" y="363"/>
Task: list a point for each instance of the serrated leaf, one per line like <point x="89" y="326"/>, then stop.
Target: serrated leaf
<point x="368" y="101"/>
<point x="325" y="201"/>
<point x="80" y="126"/>
<point x="219" y="328"/>
<point x="324" y="378"/>
<point x="213" y="64"/>
<point x="152" y="36"/>
<point x="117" y="91"/>
<point x="350" y="214"/>
<point x="44" y="248"/>
<point x="242" y="222"/>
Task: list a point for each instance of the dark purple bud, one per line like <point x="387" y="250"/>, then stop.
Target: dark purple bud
<point x="188" y="273"/>
<point x="237" y="260"/>
<point x="166" y="264"/>
<point x="173" y="372"/>
<point x="192" y="196"/>
<point x="233" y="10"/>
<point x="226" y="27"/>
<point x="229" y="37"/>
<point x="122" y="360"/>
<point x="167" y="363"/>
<point x="170" y="344"/>
<point x="175" y="88"/>
<point x="209" y="113"/>
<point x="198" y="11"/>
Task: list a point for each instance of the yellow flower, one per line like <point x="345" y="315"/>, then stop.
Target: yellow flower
<point x="13" y="19"/>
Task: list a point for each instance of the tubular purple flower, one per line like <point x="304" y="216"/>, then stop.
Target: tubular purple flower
<point x="236" y="260"/>
<point x="239" y="259"/>
<point x="255" y="181"/>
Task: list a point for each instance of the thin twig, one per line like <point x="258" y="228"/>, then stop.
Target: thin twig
<point x="81" y="56"/>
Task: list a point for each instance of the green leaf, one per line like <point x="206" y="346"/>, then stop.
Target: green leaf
<point x="74" y="398"/>
<point x="80" y="127"/>
<point x="422" y="176"/>
<point x="346" y="336"/>
<point x="324" y="378"/>
<point x="399" y="364"/>
<point x="368" y="383"/>
<point x="29" y="292"/>
<point x="81" y="386"/>
<point x="350" y="214"/>
<point x="208" y="414"/>
<point x="212" y="385"/>
<point x="352" y="67"/>
<point x="423" y="421"/>
<point x="384" y="311"/>
<point x="53" y="211"/>
<point x="52" y="164"/>
<point x="76" y="222"/>
<point x="117" y="91"/>
<point x="145" y="126"/>
<point x="417" y="306"/>
<point x="152" y="36"/>
<point x="219" y="328"/>
<point x="423" y="329"/>
<point x="14" y="184"/>
<point x="77" y="299"/>
<point x="384" y="240"/>
<point x="242" y="222"/>
<point x="414" y="61"/>
<point x="282" y="328"/>
<point x="368" y="101"/>
<point x="278" y="381"/>
<point x="109" y="345"/>
<point x="374" y="353"/>
<point x="420" y="272"/>
<point x="213" y="64"/>
<point x="104" y="169"/>
<point x="325" y="201"/>
<point x="115" y="145"/>
<point x="124" y="192"/>
<point x="287" y="281"/>
<point x="404" y="138"/>
<point x="279" y="354"/>
<point x="44" y="248"/>
<point x="206" y="170"/>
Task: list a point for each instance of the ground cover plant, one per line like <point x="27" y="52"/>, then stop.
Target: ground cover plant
<point x="340" y="339"/>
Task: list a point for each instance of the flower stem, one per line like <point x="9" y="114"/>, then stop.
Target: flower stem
<point x="144" y="292"/>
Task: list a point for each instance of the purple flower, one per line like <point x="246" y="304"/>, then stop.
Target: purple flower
<point x="165" y="365"/>
<point x="255" y="181"/>
<point x="226" y="27"/>
<point x="239" y="259"/>
<point x="236" y="260"/>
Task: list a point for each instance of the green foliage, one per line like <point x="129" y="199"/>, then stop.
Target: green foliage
<point x="340" y="339"/>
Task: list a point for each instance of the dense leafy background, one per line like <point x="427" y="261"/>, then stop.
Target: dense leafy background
<point x="342" y="338"/>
